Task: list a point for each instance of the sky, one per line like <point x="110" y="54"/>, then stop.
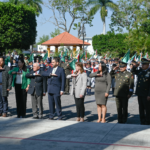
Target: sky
<point x="45" y="28"/>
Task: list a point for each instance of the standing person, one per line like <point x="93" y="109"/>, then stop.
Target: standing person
<point x="21" y="84"/>
<point x="102" y="87"/>
<point x="42" y="66"/>
<point x="26" y="61"/>
<point x="88" y="72"/>
<point x="143" y="90"/>
<point x="37" y="89"/>
<point x="67" y="69"/>
<point x="5" y="87"/>
<point x="78" y="89"/>
<point x="123" y="91"/>
<point x="56" y="87"/>
<point x="16" y="56"/>
<point x="14" y="64"/>
<point x="30" y="66"/>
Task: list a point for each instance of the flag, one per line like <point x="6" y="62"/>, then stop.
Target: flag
<point x="31" y="57"/>
<point x="72" y="64"/>
<point x="45" y="56"/>
<point x="78" y="57"/>
<point x="146" y="56"/>
<point x="82" y="56"/>
<point x="126" y="57"/>
<point x="133" y="57"/>
<point x="63" y="57"/>
<point x="139" y="58"/>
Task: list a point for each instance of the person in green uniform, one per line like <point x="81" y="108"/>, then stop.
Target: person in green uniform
<point x="124" y="84"/>
<point x="143" y="90"/>
<point x="67" y="69"/>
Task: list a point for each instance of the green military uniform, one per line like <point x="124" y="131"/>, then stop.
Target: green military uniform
<point x="68" y="70"/>
<point x="142" y="91"/>
<point x="124" y="84"/>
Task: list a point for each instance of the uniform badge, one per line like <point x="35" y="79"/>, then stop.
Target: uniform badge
<point x="147" y="75"/>
<point x="126" y="76"/>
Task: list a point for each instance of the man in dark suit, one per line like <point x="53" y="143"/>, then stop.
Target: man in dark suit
<point x="30" y="66"/>
<point x="56" y="87"/>
<point x="5" y="86"/>
<point x="37" y="89"/>
<point x="42" y="66"/>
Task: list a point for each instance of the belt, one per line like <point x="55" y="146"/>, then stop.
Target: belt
<point x="0" y="83"/>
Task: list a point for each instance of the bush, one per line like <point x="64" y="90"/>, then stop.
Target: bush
<point x="17" y="26"/>
<point x="110" y="43"/>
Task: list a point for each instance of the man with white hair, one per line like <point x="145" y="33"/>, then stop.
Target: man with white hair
<point x="37" y="89"/>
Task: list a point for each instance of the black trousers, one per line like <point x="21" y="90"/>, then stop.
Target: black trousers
<point x="144" y="110"/>
<point x="80" y="107"/>
<point x="122" y="109"/>
<point x="21" y="100"/>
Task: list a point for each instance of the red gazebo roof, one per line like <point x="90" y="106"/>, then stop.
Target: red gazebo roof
<point x="65" y="39"/>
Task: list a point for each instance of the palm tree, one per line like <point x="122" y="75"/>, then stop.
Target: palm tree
<point x="103" y="6"/>
<point x="35" y="4"/>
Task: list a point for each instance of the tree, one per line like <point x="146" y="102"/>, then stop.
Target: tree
<point x="103" y="6"/>
<point x="43" y="39"/>
<point x="17" y="26"/>
<point x="55" y="33"/>
<point x="36" y="4"/>
<point x="111" y="43"/>
<point x="62" y="8"/>
<point x="134" y="15"/>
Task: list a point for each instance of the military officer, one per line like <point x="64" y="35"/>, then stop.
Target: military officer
<point x="67" y="69"/>
<point x="123" y="90"/>
<point x="143" y="90"/>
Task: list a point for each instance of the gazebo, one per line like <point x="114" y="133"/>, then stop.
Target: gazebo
<point x="64" y="39"/>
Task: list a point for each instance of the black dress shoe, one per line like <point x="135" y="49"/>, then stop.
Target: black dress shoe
<point x="35" y="118"/>
<point x="59" y="119"/>
<point x="50" y="118"/>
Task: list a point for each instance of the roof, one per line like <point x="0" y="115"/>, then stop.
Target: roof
<point x="65" y="39"/>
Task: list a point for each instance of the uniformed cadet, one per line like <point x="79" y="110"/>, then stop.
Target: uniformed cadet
<point x="143" y="90"/>
<point x="67" y="69"/>
<point x="30" y="66"/>
<point x="123" y="91"/>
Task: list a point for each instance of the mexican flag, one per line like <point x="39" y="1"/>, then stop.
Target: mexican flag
<point x="45" y="56"/>
<point x="139" y="58"/>
<point x="134" y="57"/>
<point x="72" y="64"/>
<point x="31" y="58"/>
<point x="126" y="57"/>
<point x="63" y="57"/>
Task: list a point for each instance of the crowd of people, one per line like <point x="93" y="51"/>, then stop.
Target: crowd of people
<point x="53" y="77"/>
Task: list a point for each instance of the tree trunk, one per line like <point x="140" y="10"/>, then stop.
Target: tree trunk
<point x="104" y="26"/>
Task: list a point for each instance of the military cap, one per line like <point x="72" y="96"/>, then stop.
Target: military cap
<point x="116" y="59"/>
<point x="145" y="61"/>
<point x="133" y="61"/>
<point x="25" y="56"/>
<point x="114" y="65"/>
<point x="122" y="64"/>
<point x="66" y="57"/>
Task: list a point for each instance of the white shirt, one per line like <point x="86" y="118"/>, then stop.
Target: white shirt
<point x="19" y="78"/>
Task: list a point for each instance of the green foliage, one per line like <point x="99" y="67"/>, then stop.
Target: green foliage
<point x="17" y="26"/>
<point x="111" y="43"/>
<point x="55" y="33"/>
<point x="43" y="39"/>
<point x="36" y="4"/>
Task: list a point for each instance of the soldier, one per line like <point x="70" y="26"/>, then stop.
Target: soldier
<point x="123" y="90"/>
<point x="26" y="61"/>
<point x="143" y="90"/>
<point x="67" y="69"/>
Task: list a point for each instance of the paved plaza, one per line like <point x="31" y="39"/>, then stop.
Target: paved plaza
<point x="69" y="109"/>
<point x="28" y="134"/>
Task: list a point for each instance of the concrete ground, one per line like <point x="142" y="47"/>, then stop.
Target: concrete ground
<point x="29" y="134"/>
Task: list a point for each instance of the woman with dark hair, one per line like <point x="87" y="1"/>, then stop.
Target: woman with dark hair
<point x="102" y="87"/>
<point x="21" y="84"/>
<point x="78" y="89"/>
